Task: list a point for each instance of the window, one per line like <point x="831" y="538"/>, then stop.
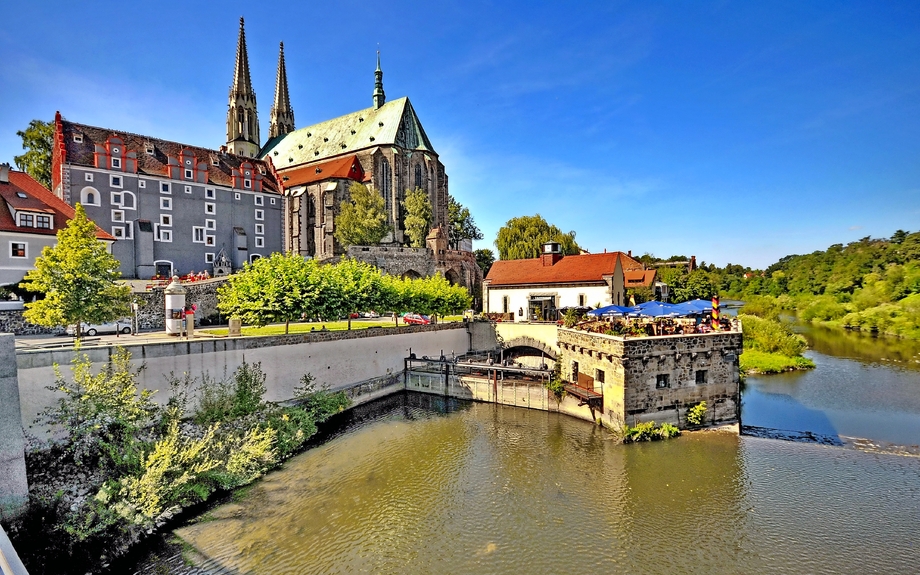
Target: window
<point x="259" y="200"/>
<point x="575" y="371"/>
<point x="118" y="232"/>
<point x="115" y="181"/>
<point x="599" y="375"/>
<point x="127" y="200"/>
<point x="215" y="162"/>
<point x="88" y="177"/>
<point x="78" y="138"/>
<point x="260" y="242"/>
<point x="209" y="258"/>
<point x="142" y="183"/>
<point x="581" y="300"/>
<point x="118" y="216"/>
<point x="209" y="240"/>
<point x="236" y="196"/>
<point x="701" y="376"/>
<point x="506" y="304"/>
<point x="165" y="220"/>
<point x="26" y="220"/>
<point x="210" y="224"/>
<point x="188" y="189"/>
<point x="273" y="201"/>
<point x="260" y="229"/>
<point x="209" y="193"/>
<point x="89" y="196"/>
<point x="164" y="234"/>
<point x="209" y="208"/>
<point x="116" y="162"/>
<point x="418" y="176"/>
<point x="165" y="203"/>
<point x="260" y="214"/>
<point x="149" y="149"/>
<point x="188" y="175"/>
<point x="43" y="222"/>
<point x="115" y="197"/>
<point x="662" y="380"/>
<point x="197" y="234"/>
<point x="18" y="249"/>
<point x="164" y="188"/>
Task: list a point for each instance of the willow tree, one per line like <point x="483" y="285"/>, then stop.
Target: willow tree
<point x="362" y="220"/>
<point x="79" y="280"/>
<point x="418" y="216"/>
<point x="521" y="238"/>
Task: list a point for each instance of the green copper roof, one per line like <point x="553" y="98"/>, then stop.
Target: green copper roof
<point x="393" y="124"/>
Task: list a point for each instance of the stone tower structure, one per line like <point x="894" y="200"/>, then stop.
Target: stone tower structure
<point x="379" y="96"/>
<point x="242" y="115"/>
<point x="281" y="117"/>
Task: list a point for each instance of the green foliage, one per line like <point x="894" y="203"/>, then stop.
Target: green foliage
<point x="461" y="225"/>
<point x="523" y="237"/>
<point x="696" y="415"/>
<point x="418" y="216"/>
<point x="484" y="258"/>
<point x="771" y="336"/>
<point x="238" y="396"/>
<point x="648" y="431"/>
<point x="571" y="317"/>
<point x="640" y="294"/>
<point x="101" y="414"/>
<point x="38" y="141"/>
<point x="756" y="361"/>
<point x="78" y="278"/>
<point x="555" y="383"/>
<point x="362" y="221"/>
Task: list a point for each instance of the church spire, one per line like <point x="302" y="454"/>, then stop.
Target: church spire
<point x="379" y="96"/>
<point x="281" y="117"/>
<point x="242" y="116"/>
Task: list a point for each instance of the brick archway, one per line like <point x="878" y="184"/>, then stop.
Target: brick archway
<point x="532" y="343"/>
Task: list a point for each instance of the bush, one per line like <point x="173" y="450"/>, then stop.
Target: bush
<point x="221" y="400"/>
<point x="648" y="431"/>
<point x="771" y="336"/>
<point x="697" y="414"/>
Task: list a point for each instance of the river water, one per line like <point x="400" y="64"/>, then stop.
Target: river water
<point x="418" y="484"/>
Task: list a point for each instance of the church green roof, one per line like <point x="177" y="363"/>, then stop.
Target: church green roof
<point x="393" y="124"/>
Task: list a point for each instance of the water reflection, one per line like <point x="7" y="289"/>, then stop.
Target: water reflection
<point x="499" y="490"/>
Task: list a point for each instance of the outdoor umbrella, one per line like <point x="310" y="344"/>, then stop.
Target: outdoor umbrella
<point x="658" y="309"/>
<point x="613" y="310"/>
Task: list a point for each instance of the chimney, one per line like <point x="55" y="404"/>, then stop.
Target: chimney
<point x="552" y="253"/>
<point x="4" y="173"/>
<point x="629" y="253"/>
<point x="692" y="263"/>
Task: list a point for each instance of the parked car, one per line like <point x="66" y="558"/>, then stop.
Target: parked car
<point x="416" y="319"/>
<point x="117" y="326"/>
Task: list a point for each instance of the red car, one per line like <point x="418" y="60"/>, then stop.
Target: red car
<point x="416" y="319"/>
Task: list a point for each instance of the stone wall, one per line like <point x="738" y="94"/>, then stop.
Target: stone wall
<point x="152" y="311"/>
<point x="12" y="321"/>
<point x="655" y="378"/>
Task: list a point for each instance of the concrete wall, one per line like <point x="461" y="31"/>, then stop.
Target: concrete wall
<point x="14" y="490"/>
<point x="630" y="369"/>
<point x="338" y="359"/>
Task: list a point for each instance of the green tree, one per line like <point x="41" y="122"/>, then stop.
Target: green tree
<point x="461" y="224"/>
<point x="283" y="287"/>
<point x="418" y="216"/>
<point x="523" y="238"/>
<point x="79" y="280"/>
<point x="485" y="258"/>
<point x="362" y="220"/>
<point x="697" y="285"/>
<point x="37" y="141"/>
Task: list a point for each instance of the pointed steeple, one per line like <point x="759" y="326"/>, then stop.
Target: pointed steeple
<point x="242" y="115"/>
<point x="281" y="117"/>
<point x="379" y="96"/>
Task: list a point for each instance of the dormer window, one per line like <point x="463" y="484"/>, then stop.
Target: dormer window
<point x="43" y="221"/>
<point x="247" y="184"/>
<point x="148" y="148"/>
<point x="78" y="138"/>
<point x="116" y="162"/>
<point x="26" y="220"/>
<point x="215" y="162"/>
<point x="188" y="174"/>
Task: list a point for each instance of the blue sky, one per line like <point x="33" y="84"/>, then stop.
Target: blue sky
<point x="734" y="131"/>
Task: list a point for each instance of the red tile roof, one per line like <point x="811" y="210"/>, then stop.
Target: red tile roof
<point x="585" y="268"/>
<point x="639" y="278"/>
<point x="345" y="167"/>
<point x="37" y="199"/>
<point x="81" y="154"/>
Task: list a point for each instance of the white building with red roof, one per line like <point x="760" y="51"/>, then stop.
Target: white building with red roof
<point x="534" y="289"/>
<point x="30" y="217"/>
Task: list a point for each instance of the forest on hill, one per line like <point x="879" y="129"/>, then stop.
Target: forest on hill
<point x="871" y="284"/>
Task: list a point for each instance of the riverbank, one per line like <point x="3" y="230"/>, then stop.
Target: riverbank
<point x="770" y="346"/>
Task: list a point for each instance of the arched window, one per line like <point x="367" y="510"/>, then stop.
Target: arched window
<point x="254" y="257"/>
<point x="386" y="183"/>
<point x="128" y="201"/>
<point x="89" y="196"/>
<point x="418" y="175"/>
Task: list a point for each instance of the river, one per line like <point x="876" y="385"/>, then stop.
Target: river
<point x="417" y="484"/>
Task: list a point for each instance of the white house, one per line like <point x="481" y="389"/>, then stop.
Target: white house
<point x="534" y="289"/>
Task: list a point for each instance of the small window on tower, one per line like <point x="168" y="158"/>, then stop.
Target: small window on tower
<point x="116" y="162"/>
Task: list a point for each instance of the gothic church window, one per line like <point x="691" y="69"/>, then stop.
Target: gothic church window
<point x="386" y="182"/>
<point x="418" y="176"/>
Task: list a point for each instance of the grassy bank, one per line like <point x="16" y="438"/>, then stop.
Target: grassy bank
<point x="771" y="347"/>
<point x="124" y="466"/>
